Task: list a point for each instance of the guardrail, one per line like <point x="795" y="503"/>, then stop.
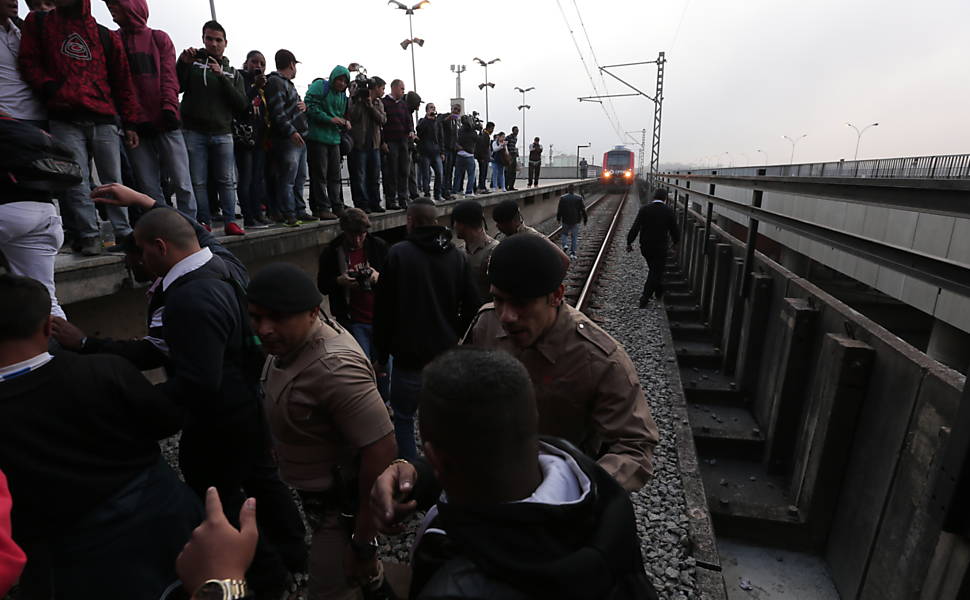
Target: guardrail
<point x="944" y="166"/>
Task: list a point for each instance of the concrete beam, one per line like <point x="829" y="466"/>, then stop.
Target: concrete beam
<point x="757" y="314"/>
<point x="720" y="287"/>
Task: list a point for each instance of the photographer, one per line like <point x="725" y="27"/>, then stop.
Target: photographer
<point x="367" y="117"/>
<point x="465" y="156"/>
<point x="326" y="103"/>
<point x="483" y="154"/>
<point x="512" y="141"/>
<point x="429" y="151"/>
<point x="500" y="160"/>
<point x="449" y="143"/>
<point x="213" y="93"/>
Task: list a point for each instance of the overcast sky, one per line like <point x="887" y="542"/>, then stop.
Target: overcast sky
<point x="740" y="73"/>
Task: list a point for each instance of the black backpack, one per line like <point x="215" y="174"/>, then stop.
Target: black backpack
<point x="31" y="159"/>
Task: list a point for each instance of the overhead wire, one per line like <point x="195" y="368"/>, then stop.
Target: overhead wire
<point x="683" y="13"/>
<point x="589" y="76"/>
<point x="606" y="89"/>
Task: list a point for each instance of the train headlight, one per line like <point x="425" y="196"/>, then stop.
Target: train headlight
<point x="607" y="174"/>
<point x="628" y="174"/>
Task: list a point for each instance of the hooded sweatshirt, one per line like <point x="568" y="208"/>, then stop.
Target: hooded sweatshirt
<point x="324" y="103"/>
<point x="151" y="57"/>
<point x="574" y="538"/>
<point x="426" y="298"/>
<point x="210" y="101"/>
<point x="81" y="73"/>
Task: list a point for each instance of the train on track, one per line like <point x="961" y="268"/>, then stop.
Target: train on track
<point x="618" y="173"/>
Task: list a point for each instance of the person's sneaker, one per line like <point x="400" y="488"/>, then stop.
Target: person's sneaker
<point x="255" y="224"/>
<point x="393" y="206"/>
<point x="277" y="218"/>
<point x="115" y="248"/>
<point x="291" y="222"/>
<point x="572" y="256"/>
<point x="308" y="218"/>
<point x="263" y="220"/>
<point x="326" y="215"/>
<point x="484" y="192"/>
<point x="644" y="302"/>
<point x="565" y="249"/>
<point x="377" y="208"/>
<point x="234" y="229"/>
<point x="90" y="246"/>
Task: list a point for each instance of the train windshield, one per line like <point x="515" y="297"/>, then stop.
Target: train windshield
<point x="618" y="161"/>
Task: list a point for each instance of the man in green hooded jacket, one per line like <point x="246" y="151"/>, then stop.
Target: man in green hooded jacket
<point x="326" y="103"/>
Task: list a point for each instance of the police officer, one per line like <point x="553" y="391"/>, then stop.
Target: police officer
<point x="509" y="220"/>
<point x="332" y="433"/>
<point x="587" y="389"/>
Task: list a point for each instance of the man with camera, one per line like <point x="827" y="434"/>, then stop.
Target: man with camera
<point x="430" y="154"/>
<point x="326" y="103"/>
<point x="512" y="144"/>
<point x="213" y="92"/>
<point x="483" y="154"/>
<point x="398" y="132"/>
<point x="367" y="117"/>
<point x="449" y="144"/>
<point x="331" y="431"/>
<point x="535" y="162"/>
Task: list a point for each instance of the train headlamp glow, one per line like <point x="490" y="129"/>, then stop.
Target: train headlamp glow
<point x="629" y="174"/>
<point x="607" y="174"/>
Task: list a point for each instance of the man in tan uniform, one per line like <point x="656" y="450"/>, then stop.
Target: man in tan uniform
<point x="587" y="389"/>
<point x="509" y="220"/>
<point x="331" y="431"/>
<point x="468" y="222"/>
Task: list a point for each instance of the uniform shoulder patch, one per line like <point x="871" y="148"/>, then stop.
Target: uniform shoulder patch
<point x="487" y="307"/>
<point x="596" y="336"/>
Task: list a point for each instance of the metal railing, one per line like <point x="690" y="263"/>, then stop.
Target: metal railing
<point x="946" y="166"/>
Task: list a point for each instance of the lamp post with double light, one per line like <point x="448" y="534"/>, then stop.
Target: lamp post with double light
<point x="487" y="84"/>
<point x="859" y="133"/>
<point x="411" y="41"/>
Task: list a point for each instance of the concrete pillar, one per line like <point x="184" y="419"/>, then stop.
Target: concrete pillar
<point x="720" y="288"/>
<point x="700" y="242"/>
<point x="710" y="246"/>
<point x="695" y="235"/>
<point x="757" y="316"/>
<point x="733" y="317"/>
<point x="780" y="410"/>
<point x="950" y="346"/>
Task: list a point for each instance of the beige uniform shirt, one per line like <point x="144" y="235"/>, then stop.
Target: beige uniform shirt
<point x="322" y="406"/>
<point x="587" y="391"/>
<point x="523" y="228"/>
<point x="478" y="263"/>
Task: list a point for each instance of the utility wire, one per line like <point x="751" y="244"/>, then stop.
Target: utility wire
<point x="596" y="61"/>
<point x="683" y="13"/>
<point x="582" y="59"/>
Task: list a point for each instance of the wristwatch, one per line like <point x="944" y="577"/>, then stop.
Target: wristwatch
<point x="222" y="589"/>
<point x="366" y="549"/>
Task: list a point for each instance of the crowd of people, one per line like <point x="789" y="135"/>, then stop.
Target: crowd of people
<point x="444" y="373"/>
<point x="192" y="131"/>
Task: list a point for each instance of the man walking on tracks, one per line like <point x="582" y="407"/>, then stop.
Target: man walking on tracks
<point x="570" y="212"/>
<point x="587" y="390"/>
<point x="653" y="224"/>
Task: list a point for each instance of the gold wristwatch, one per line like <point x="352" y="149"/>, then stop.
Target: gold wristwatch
<point x="222" y="589"/>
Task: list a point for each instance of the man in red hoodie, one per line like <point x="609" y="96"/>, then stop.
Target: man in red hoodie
<point x="81" y="72"/>
<point x="161" y="147"/>
<point x="12" y="558"/>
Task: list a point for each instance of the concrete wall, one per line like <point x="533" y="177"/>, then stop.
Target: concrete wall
<point x="883" y="528"/>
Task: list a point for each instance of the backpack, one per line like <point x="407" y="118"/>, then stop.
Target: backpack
<point x="30" y="158"/>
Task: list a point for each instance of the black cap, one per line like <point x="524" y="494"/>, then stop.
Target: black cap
<point x="660" y="194"/>
<point x="285" y="58"/>
<point x="284" y="288"/>
<point x="505" y="211"/>
<point x="468" y="212"/>
<point x="526" y="265"/>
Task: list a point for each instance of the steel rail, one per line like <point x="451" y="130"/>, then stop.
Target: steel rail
<point x="943" y="273"/>
<point x="585" y="294"/>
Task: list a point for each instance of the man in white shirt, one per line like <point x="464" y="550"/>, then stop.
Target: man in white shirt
<point x="17" y="99"/>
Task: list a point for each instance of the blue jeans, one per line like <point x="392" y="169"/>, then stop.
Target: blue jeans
<point x="299" y="183"/>
<point x="464" y="165"/>
<point x="288" y="158"/>
<point x="365" y="178"/>
<point x="498" y="176"/>
<point x="202" y="146"/>
<point x="364" y="334"/>
<point x="103" y="144"/>
<point x="405" y="387"/>
<point x="251" y="163"/>
<point x="427" y="164"/>
<point x="571" y="233"/>
<point x="164" y="155"/>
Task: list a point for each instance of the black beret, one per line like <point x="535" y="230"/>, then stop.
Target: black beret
<point x="284" y="288"/>
<point x="660" y="194"/>
<point x="468" y="212"/>
<point x="504" y="211"/>
<point x="526" y="265"/>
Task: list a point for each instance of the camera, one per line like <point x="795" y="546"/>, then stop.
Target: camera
<point x="361" y="84"/>
<point x="473" y="121"/>
<point x="202" y="56"/>
<point x="362" y="277"/>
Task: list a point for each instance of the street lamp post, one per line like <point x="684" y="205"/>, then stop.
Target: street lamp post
<point x="212" y="9"/>
<point x="411" y="41"/>
<point x="859" y="136"/>
<point x="793" y="144"/>
<point x="587" y="145"/>
<point x="765" y="155"/>
<point x="487" y="83"/>
<point x="458" y="70"/>
<point x="524" y="107"/>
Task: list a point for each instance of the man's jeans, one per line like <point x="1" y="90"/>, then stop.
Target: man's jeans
<point x="217" y="150"/>
<point x="498" y="177"/>
<point x="77" y="207"/>
<point x="449" y="168"/>
<point x="429" y="163"/>
<point x="398" y="172"/>
<point x="251" y="163"/>
<point x="288" y="158"/>
<point x="164" y="155"/>
<point x="482" y="173"/>
<point x="571" y="233"/>
<point x="534" y="169"/>
<point x="324" y="160"/>
<point x="405" y="386"/>
<point x="364" y="334"/>
<point x="30" y="235"/>
<point x="365" y="175"/>
<point x="464" y="165"/>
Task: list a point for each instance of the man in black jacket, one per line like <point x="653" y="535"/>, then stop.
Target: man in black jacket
<point x="430" y="153"/>
<point x="94" y="502"/>
<point x="483" y="154"/>
<point x="212" y="376"/>
<point x="425" y="301"/>
<point x="653" y="224"/>
<point x="449" y="144"/>
<point x="522" y="517"/>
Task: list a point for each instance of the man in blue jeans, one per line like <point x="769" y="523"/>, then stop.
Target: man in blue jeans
<point x="570" y="213"/>
<point x="465" y="156"/>
<point x="367" y="117"/>
<point x="425" y="300"/>
<point x="213" y="93"/>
